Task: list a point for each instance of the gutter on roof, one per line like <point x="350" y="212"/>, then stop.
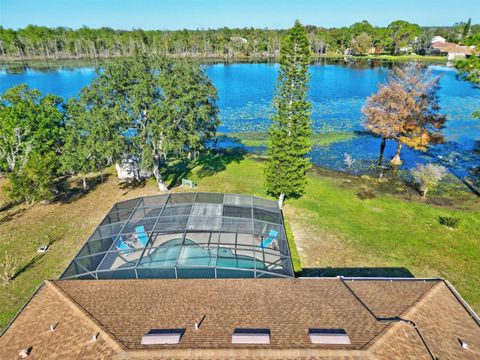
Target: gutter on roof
<point x="460" y="299"/>
<point x="452" y="289"/>
<point x="449" y="286"/>
<point x="389" y="278"/>
<point x="350" y="278"/>
<point x="415" y="327"/>
<point x="390" y="319"/>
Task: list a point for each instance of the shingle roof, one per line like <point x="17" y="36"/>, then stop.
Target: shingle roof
<point x="73" y="333"/>
<point x="451" y="47"/>
<point x="389" y="298"/>
<point x="122" y="311"/>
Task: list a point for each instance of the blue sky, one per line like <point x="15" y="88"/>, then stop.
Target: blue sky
<point x="194" y="14"/>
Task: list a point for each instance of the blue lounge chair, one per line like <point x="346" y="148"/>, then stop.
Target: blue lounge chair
<point x="141" y="235"/>
<point x="124" y="248"/>
<point x="272" y="236"/>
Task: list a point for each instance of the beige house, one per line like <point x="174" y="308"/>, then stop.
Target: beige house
<point x="451" y="50"/>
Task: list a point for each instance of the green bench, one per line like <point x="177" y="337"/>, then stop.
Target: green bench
<point x="190" y="183"/>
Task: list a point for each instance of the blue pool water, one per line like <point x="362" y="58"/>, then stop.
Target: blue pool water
<point x="167" y="254"/>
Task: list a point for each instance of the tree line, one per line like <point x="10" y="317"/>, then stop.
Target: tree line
<point x="39" y="42"/>
<point x="143" y="108"/>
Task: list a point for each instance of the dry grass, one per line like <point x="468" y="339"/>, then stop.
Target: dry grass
<point x="65" y="226"/>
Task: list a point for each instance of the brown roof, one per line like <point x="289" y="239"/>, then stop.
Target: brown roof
<point x="447" y="47"/>
<point x="122" y="311"/>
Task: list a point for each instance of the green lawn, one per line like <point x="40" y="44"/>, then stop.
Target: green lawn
<point x="335" y="232"/>
<point x="389" y="231"/>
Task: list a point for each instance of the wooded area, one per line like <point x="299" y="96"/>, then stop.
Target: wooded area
<point x="39" y="42"/>
<point x="137" y="109"/>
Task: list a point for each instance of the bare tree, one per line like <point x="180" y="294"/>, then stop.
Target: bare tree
<point x="406" y="109"/>
<point x="8" y="268"/>
<point x="427" y="176"/>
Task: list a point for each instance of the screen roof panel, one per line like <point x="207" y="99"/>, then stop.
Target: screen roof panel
<point x="167" y="233"/>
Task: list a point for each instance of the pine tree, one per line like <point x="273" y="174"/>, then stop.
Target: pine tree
<point x="290" y="132"/>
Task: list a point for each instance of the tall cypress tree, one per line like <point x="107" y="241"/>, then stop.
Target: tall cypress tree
<point x="290" y="132"/>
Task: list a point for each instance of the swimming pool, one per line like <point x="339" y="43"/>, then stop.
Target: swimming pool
<point x="179" y="252"/>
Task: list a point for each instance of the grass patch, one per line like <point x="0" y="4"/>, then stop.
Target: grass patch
<point x="255" y="139"/>
<point x="389" y="231"/>
<point x="297" y="265"/>
<point x="329" y="228"/>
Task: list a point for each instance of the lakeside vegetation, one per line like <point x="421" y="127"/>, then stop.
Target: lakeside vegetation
<point x="386" y="235"/>
<point x="260" y="138"/>
<point x="399" y="37"/>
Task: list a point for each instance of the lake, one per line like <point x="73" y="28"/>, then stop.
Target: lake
<point x="337" y="90"/>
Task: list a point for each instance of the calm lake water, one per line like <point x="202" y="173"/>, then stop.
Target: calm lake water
<point x="337" y="90"/>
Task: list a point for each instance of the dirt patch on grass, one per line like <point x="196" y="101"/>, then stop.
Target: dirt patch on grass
<point x="319" y="248"/>
<point x="323" y="252"/>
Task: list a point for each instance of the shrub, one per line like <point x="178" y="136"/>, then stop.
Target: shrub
<point x="348" y="160"/>
<point x="366" y="194"/>
<point x="427" y="176"/>
<point x="8" y="268"/>
<point x="34" y="182"/>
<point x="450" y="221"/>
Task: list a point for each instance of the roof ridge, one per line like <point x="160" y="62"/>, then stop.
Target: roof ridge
<point x="462" y="302"/>
<point x="414" y="307"/>
<point x="110" y="338"/>
<point x="384" y="335"/>
<point x="391" y="327"/>
<point x="405" y="315"/>
<point x="452" y="291"/>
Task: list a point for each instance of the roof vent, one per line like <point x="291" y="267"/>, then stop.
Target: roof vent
<point x="199" y="323"/>
<point x="53" y="326"/>
<point x="95" y="336"/>
<point x="162" y="336"/>
<point x="251" y="336"/>
<point x="329" y="336"/>
<point x="25" y="352"/>
<point x="464" y="344"/>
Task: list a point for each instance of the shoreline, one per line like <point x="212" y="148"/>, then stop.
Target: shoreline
<point x="217" y="59"/>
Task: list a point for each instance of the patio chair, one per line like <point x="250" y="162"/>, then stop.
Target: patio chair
<point x="123" y="247"/>
<point x="272" y="236"/>
<point x="189" y="183"/>
<point x="142" y="236"/>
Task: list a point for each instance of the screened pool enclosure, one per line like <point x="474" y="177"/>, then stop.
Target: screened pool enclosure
<point x="186" y="235"/>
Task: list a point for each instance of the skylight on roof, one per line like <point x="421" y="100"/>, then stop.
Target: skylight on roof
<point x="162" y="336"/>
<point x="251" y="336"/>
<point x="329" y="336"/>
